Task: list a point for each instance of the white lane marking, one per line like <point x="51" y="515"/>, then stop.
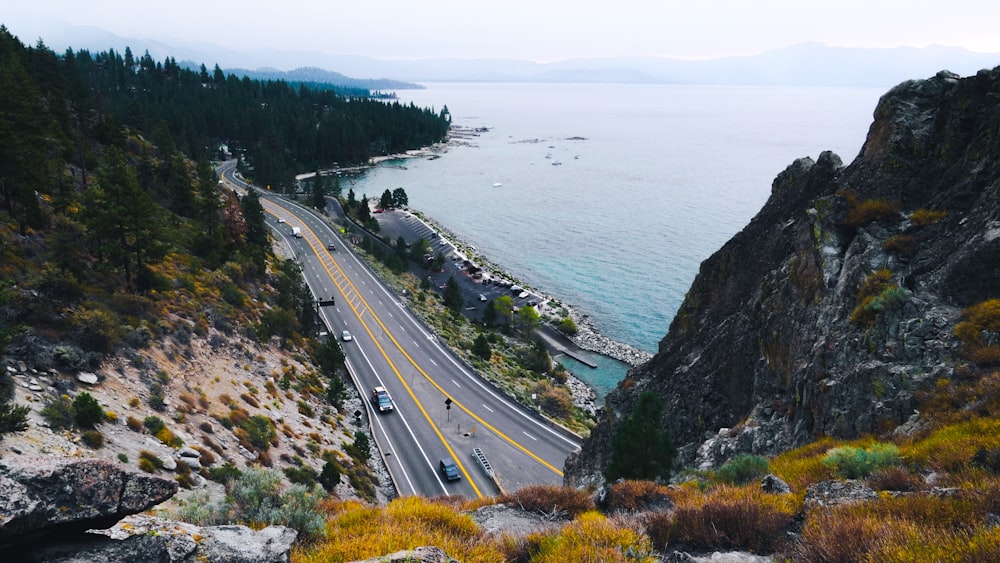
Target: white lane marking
<point x="456" y="384"/>
<point x="405" y="423"/>
<point x="529" y="435"/>
<point x="489" y="409"/>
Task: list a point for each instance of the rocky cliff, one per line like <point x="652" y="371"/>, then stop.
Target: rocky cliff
<point x="837" y="303"/>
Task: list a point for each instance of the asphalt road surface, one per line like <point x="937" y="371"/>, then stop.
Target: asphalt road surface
<point x="393" y="349"/>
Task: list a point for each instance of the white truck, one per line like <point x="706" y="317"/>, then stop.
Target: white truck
<point x="296" y="232"/>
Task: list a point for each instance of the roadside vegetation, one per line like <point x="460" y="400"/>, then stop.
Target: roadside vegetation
<point x="937" y="494"/>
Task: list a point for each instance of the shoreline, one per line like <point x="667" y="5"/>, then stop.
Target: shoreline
<point x="587" y="338"/>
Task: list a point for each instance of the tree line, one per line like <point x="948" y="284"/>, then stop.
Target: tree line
<point x="111" y="212"/>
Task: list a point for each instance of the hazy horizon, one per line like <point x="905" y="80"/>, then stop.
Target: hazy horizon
<point x="550" y="31"/>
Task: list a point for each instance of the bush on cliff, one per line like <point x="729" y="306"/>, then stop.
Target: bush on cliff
<point x="13" y="418"/>
<point x="856" y="463"/>
<point x="87" y="411"/>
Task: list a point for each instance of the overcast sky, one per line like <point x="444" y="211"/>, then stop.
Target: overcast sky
<point x="538" y="30"/>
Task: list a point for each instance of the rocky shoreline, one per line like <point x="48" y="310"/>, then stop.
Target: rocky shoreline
<point x="587" y="337"/>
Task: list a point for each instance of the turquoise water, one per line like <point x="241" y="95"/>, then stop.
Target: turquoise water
<point x="650" y="181"/>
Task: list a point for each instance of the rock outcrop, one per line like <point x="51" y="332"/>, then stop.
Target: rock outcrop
<point x="58" y="509"/>
<point x="830" y="311"/>
<point x="43" y="498"/>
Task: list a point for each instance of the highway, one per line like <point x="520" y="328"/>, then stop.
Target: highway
<point x="393" y="349"/>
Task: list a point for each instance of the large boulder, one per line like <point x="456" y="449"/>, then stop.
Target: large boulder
<point x="74" y="510"/>
<point x="45" y="497"/>
<point x="144" y="538"/>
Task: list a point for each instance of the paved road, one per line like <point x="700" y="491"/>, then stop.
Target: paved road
<point x="393" y="349"/>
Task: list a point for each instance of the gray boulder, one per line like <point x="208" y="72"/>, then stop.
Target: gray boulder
<point x="773" y="484"/>
<point x="832" y="493"/>
<point x="63" y="510"/>
<point x="144" y="538"/>
<point x="418" y="555"/>
<point x="42" y="497"/>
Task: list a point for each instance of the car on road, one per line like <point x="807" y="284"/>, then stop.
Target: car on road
<point x="331" y="246"/>
<point x="449" y="469"/>
<point x="346" y="336"/>
<point x="381" y="400"/>
<point x="281" y="219"/>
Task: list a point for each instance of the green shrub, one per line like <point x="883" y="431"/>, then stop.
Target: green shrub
<point x="329" y="477"/>
<point x="122" y="458"/>
<point x="225" y="473"/>
<point x="857" y="463"/>
<point x="361" y="448"/>
<point x="256" y="497"/>
<point x="58" y="413"/>
<point x="260" y="431"/>
<point x="255" y="494"/>
<point x="87" y="411"/>
<point x="568" y="326"/>
<point x="13" y="418"/>
<point x="93" y="439"/>
<point x="151" y="459"/>
<point x="301" y="475"/>
<point x="877" y="293"/>
<point x="305" y="409"/>
<point x="742" y="469"/>
<point x="154" y="424"/>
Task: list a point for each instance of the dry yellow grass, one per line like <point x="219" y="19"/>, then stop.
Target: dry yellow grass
<point x="358" y="531"/>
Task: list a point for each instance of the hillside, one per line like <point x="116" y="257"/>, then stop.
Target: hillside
<point x="143" y="311"/>
<point x="855" y="290"/>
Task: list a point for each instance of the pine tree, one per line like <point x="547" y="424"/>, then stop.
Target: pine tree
<point x="453" y="297"/>
<point x="319" y="192"/>
<point x="399" y="198"/>
<point x="13" y="418"/>
<point x="640" y="449"/>
<point x="385" y="202"/>
<point x="481" y="347"/>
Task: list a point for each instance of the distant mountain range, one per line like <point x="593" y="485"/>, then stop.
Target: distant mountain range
<point x="807" y="64"/>
<point x="314" y="75"/>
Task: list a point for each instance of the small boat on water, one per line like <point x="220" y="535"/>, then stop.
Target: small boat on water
<point x="497" y="184"/>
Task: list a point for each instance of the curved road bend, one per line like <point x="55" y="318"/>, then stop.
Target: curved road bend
<point x="393" y="349"/>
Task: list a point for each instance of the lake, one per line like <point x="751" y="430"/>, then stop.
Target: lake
<point x="609" y="196"/>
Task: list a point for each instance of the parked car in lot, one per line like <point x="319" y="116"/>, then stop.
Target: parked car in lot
<point x="449" y="469"/>
<point x="381" y="400"/>
<point x="482" y="297"/>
